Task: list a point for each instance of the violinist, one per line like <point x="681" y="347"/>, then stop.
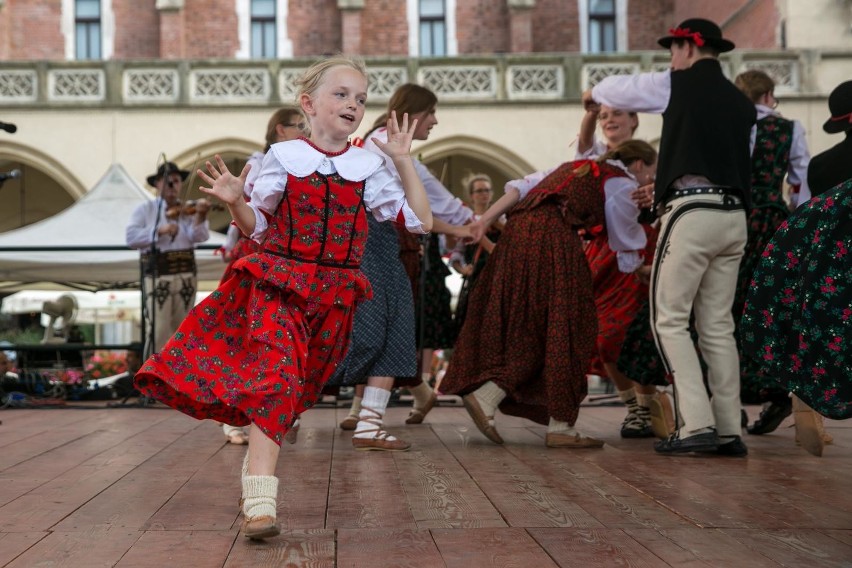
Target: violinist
<point x="165" y="231"/>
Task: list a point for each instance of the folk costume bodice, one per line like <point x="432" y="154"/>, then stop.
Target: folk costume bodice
<point x="769" y="161"/>
<point x="578" y="188"/>
<point x="314" y="228"/>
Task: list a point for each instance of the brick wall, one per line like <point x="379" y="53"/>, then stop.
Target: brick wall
<point x="647" y="22"/>
<point x="314" y="27"/>
<point x="210" y="29"/>
<point x="137" y="27"/>
<point x="555" y="26"/>
<point x="33" y="30"/>
<point x="384" y="28"/>
<point x="482" y="26"/>
<point x="755" y="27"/>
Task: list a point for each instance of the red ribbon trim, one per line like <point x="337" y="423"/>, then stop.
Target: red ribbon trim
<point x="846" y="117"/>
<point x="684" y="33"/>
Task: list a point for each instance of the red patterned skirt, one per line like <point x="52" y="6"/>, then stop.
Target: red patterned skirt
<point x="244" y="247"/>
<point x="253" y="352"/>
<point x="530" y="325"/>
<point x="618" y="296"/>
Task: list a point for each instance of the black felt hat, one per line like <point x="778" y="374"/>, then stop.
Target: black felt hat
<point x="840" y="105"/>
<point x="700" y="32"/>
<point x="165" y="169"/>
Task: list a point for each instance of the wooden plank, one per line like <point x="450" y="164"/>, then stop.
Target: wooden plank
<point x="313" y="548"/>
<point x="492" y="548"/>
<point x="14" y="544"/>
<point x="515" y="489"/>
<point x="796" y="547"/>
<point x="89" y="549"/>
<point x="61" y="466"/>
<point x="387" y="548"/>
<point x="365" y="489"/>
<point x="26" y="447"/>
<point x="303" y="474"/>
<point x="96" y="467"/>
<point x="708" y="546"/>
<point x="440" y="492"/>
<point x="844" y="536"/>
<point x="599" y="490"/>
<point x="209" y="500"/>
<point x="594" y="547"/>
<point x="199" y="549"/>
<point x="166" y="459"/>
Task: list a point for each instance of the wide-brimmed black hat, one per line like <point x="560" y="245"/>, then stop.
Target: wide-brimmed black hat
<point x="700" y="32"/>
<point x="164" y="169"/>
<point x="840" y="105"/>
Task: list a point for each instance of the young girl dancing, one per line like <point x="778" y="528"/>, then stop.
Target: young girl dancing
<point x="260" y="348"/>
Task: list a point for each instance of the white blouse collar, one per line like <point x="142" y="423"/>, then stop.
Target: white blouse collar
<point x="301" y="159"/>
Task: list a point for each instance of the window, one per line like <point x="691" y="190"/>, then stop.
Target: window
<point x="263" y="37"/>
<point x="602" y="32"/>
<point x="433" y="28"/>
<point x="87" y="29"/>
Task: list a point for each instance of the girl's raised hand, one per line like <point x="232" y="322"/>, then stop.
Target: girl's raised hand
<point x="223" y="184"/>
<point x="399" y="137"/>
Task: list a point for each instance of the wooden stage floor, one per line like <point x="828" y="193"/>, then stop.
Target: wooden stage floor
<point x="149" y="487"/>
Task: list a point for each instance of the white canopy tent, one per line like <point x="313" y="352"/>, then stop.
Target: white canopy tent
<point x="98" y="220"/>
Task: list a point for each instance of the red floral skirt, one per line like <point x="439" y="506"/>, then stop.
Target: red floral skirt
<point x="252" y="352"/>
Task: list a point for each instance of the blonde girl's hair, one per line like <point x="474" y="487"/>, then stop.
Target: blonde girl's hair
<point x="631" y="150"/>
<point x="408" y="98"/>
<point x="754" y="83"/>
<point x="471" y="178"/>
<point x="284" y="115"/>
<point x="310" y="80"/>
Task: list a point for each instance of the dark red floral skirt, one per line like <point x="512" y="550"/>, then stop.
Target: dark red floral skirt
<point x="530" y="324"/>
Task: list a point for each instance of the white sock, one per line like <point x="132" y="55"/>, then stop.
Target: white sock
<point x="356" y="406"/>
<point x="227" y="429"/>
<point x="560" y="427"/>
<point x="489" y="397"/>
<point x="261" y="494"/>
<point x="421" y="393"/>
<point x="644" y="400"/>
<point x="373" y="408"/>
<point x="626" y="395"/>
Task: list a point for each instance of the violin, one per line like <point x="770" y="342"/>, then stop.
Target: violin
<point x="191" y="207"/>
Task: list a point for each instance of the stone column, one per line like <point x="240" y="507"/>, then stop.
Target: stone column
<point x="350" y="21"/>
<point x="520" y="25"/>
<point x="171" y="29"/>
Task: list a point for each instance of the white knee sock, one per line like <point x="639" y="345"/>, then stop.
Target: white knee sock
<point x="355" y="409"/>
<point x="560" y="427"/>
<point x="421" y="393"/>
<point x="626" y="395"/>
<point x="373" y="408"/>
<point x="644" y="400"/>
<point x="261" y="494"/>
<point x="489" y="397"/>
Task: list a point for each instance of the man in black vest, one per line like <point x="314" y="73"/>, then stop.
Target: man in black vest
<point x="702" y="192"/>
<point x="834" y="166"/>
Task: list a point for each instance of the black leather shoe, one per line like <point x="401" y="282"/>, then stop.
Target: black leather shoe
<point x="674" y="444"/>
<point x="736" y="448"/>
<point x="771" y="417"/>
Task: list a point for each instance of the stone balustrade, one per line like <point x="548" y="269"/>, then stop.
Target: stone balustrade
<point x="498" y="79"/>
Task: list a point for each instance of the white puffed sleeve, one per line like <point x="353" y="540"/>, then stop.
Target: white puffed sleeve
<point x="267" y="192"/>
<point x="526" y="183"/>
<point x="385" y="197"/>
<point x="625" y="235"/>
